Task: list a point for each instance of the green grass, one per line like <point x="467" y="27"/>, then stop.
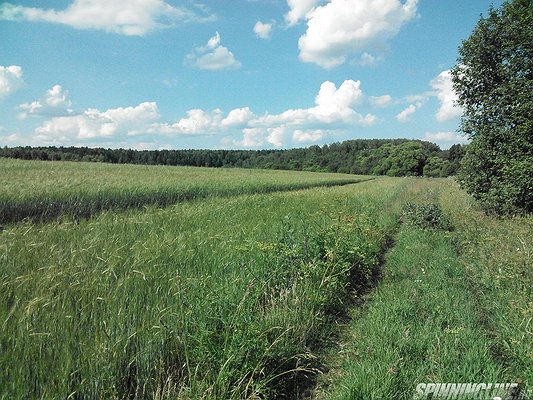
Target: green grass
<point x="218" y="298"/>
<point x="40" y="190"/>
<point x="497" y="255"/>
<point x="445" y="310"/>
<point x="236" y="293"/>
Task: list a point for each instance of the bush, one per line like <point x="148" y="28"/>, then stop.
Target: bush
<point x="425" y="216"/>
<point x="493" y="80"/>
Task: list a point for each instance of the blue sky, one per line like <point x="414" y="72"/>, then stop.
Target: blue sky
<point x="153" y="74"/>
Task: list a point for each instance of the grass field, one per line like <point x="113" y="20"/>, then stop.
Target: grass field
<point x="46" y="190"/>
<point x="246" y="295"/>
<point x="218" y="298"/>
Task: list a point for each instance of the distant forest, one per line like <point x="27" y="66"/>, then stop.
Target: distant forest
<point x="393" y="157"/>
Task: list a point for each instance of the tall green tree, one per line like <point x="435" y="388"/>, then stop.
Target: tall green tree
<point x="494" y="83"/>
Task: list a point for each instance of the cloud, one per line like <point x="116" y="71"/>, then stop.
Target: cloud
<point x="212" y="56"/>
<point x="258" y="137"/>
<point x="367" y="60"/>
<point x="252" y="137"/>
<point x="197" y="122"/>
<point x="380" y="101"/>
<point x="334" y="112"/>
<point x="263" y="30"/>
<point x="334" y="108"/>
<point x="94" y="124"/>
<point x="341" y="28"/>
<point x="10" y="79"/>
<point x="299" y="9"/>
<point x="445" y="139"/>
<point x="308" y="136"/>
<point x="276" y="136"/>
<point x="132" y="18"/>
<point x="12" y="140"/>
<point x="54" y="103"/>
<point x="237" y="117"/>
<point x="443" y="87"/>
<point x="405" y="115"/>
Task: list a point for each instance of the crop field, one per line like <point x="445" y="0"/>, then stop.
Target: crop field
<point x="242" y="292"/>
<point x="44" y="191"/>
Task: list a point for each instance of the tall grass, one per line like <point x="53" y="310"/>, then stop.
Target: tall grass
<point x="212" y="299"/>
<point x="497" y="254"/>
<point x="43" y="191"/>
<point x="454" y="304"/>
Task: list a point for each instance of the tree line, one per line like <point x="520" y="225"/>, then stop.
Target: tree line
<point x="393" y="157"/>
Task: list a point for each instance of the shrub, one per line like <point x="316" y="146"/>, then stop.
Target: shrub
<point x="425" y="216"/>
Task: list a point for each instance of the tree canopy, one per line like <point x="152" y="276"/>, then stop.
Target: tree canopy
<point x="396" y="157"/>
<point x="493" y="79"/>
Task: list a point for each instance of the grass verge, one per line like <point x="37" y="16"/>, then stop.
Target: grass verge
<point x="444" y="311"/>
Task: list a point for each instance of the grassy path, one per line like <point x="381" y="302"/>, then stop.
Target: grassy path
<point x="440" y="316"/>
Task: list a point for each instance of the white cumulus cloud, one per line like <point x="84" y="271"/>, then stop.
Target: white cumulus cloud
<point x="54" y="103"/>
<point x="443" y="87"/>
<point x="212" y="56"/>
<point x="12" y="140"/>
<point x="252" y="137"/>
<point x="299" y="9"/>
<point x="10" y="79"/>
<point x="132" y="17"/>
<point x="197" y="122"/>
<point x="334" y="107"/>
<point x="237" y="117"/>
<point x="276" y="136"/>
<point x="341" y="28"/>
<point x="93" y="124"/>
<point x="263" y="30"/>
<point x="405" y="115"/>
<point x="258" y="137"/>
<point x="334" y="112"/>
<point x="308" y="136"/>
<point x="367" y="60"/>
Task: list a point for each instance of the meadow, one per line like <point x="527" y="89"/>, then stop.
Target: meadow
<point x="253" y="293"/>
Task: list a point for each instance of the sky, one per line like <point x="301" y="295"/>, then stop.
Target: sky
<point x="234" y="74"/>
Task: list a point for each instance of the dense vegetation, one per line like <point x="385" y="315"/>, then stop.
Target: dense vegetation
<point x="236" y="297"/>
<point x="220" y="298"/>
<point x="393" y="157"/>
<point x="454" y="305"/>
<point x="44" y="191"/>
<point x="494" y="83"/>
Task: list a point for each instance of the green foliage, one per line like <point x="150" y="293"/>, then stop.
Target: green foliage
<point x="358" y="156"/>
<point x="451" y="307"/>
<point x="496" y="254"/>
<point x="425" y="216"/>
<point x="406" y="159"/>
<point x="436" y="167"/>
<point x="494" y="83"/>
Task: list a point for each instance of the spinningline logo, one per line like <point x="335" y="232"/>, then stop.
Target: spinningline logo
<point x="464" y="391"/>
